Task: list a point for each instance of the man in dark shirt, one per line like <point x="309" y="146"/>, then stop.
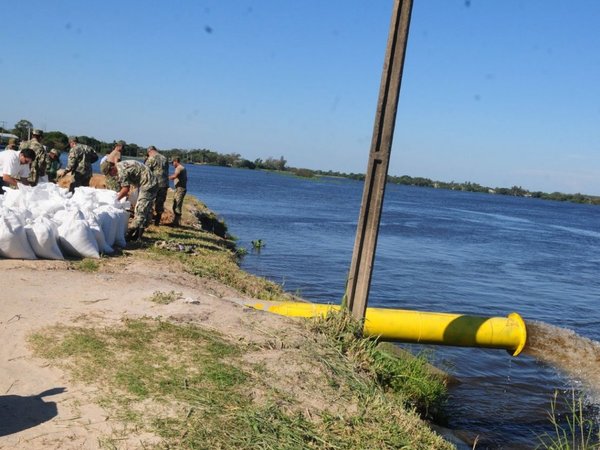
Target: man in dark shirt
<point x="179" y="178"/>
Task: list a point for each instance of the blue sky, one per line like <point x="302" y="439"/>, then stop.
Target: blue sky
<point x="497" y="92"/>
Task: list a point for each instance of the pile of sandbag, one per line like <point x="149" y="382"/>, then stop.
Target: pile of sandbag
<point x="46" y="221"/>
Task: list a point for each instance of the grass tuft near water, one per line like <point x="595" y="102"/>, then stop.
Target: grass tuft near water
<point x="574" y="431"/>
<point x="409" y="377"/>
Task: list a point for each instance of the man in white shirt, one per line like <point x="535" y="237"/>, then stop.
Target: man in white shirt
<point x="14" y="167"/>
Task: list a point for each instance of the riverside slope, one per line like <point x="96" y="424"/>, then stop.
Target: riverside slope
<point x="43" y="406"/>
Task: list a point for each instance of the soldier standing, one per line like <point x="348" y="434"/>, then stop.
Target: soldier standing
<point x="79" y="163"/>
<point x="37" y="171"/>
<point x="159" y="166"/>
<point x="179" y="178"/>
<point x="133" y="173"/>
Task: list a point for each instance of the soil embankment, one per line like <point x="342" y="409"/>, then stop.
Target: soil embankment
<point x="44" y="405"/>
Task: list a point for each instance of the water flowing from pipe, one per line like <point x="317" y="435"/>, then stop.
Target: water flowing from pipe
<point x="576" y="356"/>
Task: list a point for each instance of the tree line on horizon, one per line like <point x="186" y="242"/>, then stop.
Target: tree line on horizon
<point x="59" y="140"/>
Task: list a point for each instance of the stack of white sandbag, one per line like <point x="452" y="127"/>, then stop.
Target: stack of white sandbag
<point x="46" y="221"/>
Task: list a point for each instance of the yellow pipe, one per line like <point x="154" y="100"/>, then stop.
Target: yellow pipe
<point x="422" y="327"/>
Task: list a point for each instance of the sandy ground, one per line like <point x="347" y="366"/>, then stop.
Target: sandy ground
<point x="40" y="407"/>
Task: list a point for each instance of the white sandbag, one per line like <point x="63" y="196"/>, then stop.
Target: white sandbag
<point x="109" y="222"/>
<point x="13" y="239"/>
<point x="45" y="199"/>
<point x="76" y="238"/>
<point x="13" y="198"/>
<point x="42" y="235"/>
<point x="86" y="223"/>
<point x="123" y="218"/>
<point x="94" y="224"/>
<point x="106" y="197"/>
<point x="67" y="214"/>
<point x="85" y="198"/>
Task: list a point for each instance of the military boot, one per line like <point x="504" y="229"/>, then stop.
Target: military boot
<point x="132" y="234"/>
<point x="157" y="219"/>
<point x="176" y="220"/>
<point x="140" y="233"/>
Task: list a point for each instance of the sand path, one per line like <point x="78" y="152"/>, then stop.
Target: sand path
<point x="40" y="407"/>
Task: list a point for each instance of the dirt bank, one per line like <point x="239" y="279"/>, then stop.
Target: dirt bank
<point x="42" y="405"/>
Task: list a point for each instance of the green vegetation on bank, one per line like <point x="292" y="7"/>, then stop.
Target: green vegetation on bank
<point x="57" y="139"/>
<point x="311" y="384"/>
<point x="204" y="248"/>
<point x="194" y="387"/>
<point x="197" y="388"/>
<point x="576" y="432"/>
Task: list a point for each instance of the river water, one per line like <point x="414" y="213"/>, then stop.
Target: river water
<point x="441" y="251"/>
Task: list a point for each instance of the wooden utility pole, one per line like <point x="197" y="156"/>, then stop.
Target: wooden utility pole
<point x="359" y="278"/>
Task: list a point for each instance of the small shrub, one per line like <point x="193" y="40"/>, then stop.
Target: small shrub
<point x="257" y="244"/>
<point x="86" y="265"/>
<point x="164" y="298"/>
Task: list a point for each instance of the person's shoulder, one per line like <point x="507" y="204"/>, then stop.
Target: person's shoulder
<point x="8" y="154"/>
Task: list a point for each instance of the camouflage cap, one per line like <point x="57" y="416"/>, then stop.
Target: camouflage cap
<point x="73" y="139"/>
<point x="121" y="143"/>
<point x="55" y="151"/>
<point x="37" y="132"/>
<point x="12" y="141"/>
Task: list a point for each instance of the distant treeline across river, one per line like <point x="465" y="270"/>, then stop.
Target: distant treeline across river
<point x="59" y="140"/>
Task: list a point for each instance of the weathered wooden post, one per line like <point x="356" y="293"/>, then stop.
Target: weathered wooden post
<point x="359" y="278"/>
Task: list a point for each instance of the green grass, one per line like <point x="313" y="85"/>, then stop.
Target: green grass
<point x="407" y="376"/>
<point x="212" y="257"/>
<point x="194" y="389"/>
<point x="164" y="298"/>
<point x="86" y="265"/>
<point x="575" y="431"/>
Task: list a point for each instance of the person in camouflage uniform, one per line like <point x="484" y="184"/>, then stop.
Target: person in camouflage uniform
<point x="114" y="156"/>
<point x="79" y="163"/>
<point x="179" y="178"/>
<point x="110" y="181"/>
<point x="53" y="165"/>
<point x="133" y="173"/>
<point x="159" y="166"/>
<point x="37" y="171"/>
